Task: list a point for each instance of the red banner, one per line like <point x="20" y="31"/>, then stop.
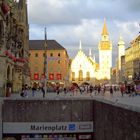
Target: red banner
<point x="51" y="76"/>
<point x="58" y="76"/>
<point x="36" y="76"/>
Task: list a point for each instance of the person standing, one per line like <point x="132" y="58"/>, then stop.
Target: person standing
<point x="122" y="89"/>
<point x="43" y="91"/>
<point x="111" y="90"/>
<point x="33" y="90"/>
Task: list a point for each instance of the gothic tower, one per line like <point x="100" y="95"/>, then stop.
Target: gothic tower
<point x="105" y="54"/>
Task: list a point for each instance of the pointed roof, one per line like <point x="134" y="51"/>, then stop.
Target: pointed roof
<point x="104" y="32"/>
<point x="121" y="42"/>
<point x="80" y="45"/>
<point x="90" y="54"/>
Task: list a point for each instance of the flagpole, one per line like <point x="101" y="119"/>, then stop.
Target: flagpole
<point x="45" y="63"/>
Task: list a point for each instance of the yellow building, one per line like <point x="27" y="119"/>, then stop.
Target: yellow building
<point x="132" y="59"/>
<point x="57" y="62"/>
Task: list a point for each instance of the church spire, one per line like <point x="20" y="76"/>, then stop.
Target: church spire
<point x="104" y="32"/>
<point x="121" y="42"/>
<point x="90" y="54"/>
<point x="80" y="45"/>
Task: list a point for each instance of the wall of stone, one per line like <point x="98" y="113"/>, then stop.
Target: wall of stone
<point x="47" y="110"/>
<point x="1" y="102"/>
<point x="115" y="123"/>
<point x="111" y="122"/>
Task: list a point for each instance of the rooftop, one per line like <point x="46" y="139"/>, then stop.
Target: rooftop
<point x="39" y="45"/>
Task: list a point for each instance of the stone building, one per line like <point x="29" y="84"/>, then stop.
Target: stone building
<point x="56" y="63"/>
<point x="13" y="46"/>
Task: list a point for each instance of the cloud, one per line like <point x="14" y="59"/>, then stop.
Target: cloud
<point x="69" y="21"/>
<point x="54" y="12"/>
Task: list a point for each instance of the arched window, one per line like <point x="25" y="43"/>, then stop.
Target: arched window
<point x="88" y="76"/>
<point x="80" y="75"/>
<point x="73" y="76"/>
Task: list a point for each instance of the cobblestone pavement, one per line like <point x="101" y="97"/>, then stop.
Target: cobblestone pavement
<point x="133" y="101"/>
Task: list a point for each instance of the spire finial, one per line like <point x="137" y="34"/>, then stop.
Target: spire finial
<point x="104" y="32"/>
<point x="80" y="45"/>
<point x="121" y="38"/>
<point x="90" y="54"/>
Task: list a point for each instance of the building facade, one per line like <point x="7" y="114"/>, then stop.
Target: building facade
<point x="135" y="44"/>
<point x="83" y="68"/>
<point x="128" y="64"/>
<point x="105" y="55"/>
<point x="86" y="69"/>
<point x="57" y="62"/>
<point x="14" y="46"/>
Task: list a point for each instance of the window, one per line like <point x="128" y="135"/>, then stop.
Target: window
<point x="80" y="75"/>
<point x="51" y="54"/>
<point x="51" y="76"/>
<point x="88" y="76"/>
<point x="36" y="54"/>
<point x="73" y="76"/>
<point x="59" y="54"/>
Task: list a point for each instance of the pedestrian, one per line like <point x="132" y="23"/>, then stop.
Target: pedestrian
<point x="43" y="91"/>
<point x="57" y="89"/>
<point x="122" y="89"/>
<point x="133" y="90"/>
<point x="104" y="89"/>
<point x="111" y="90"/>
<point x="23" y="92"/>
<point x="65" y="90"/>
<point x="99" y="88"/>
<point x="33" y="90"/>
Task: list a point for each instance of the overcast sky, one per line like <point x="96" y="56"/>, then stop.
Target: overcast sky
<point x="68" y="21"/>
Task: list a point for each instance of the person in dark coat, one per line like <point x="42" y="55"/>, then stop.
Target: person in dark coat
<point x="111" y="90"/>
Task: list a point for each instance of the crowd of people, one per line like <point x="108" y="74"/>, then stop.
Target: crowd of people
<point x="83" y="89"/>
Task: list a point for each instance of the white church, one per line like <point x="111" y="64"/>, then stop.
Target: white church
<point x="86" y="69"/>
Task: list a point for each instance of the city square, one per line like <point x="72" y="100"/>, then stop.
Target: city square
<point x="77" y="62"/>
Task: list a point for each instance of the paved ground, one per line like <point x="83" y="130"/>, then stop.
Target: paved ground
<point x="116" y="98"/>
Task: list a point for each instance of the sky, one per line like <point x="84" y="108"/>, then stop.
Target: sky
<point x="69" y="21"/>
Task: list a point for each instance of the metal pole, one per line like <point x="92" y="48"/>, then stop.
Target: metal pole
<point x="45" y="63"/>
